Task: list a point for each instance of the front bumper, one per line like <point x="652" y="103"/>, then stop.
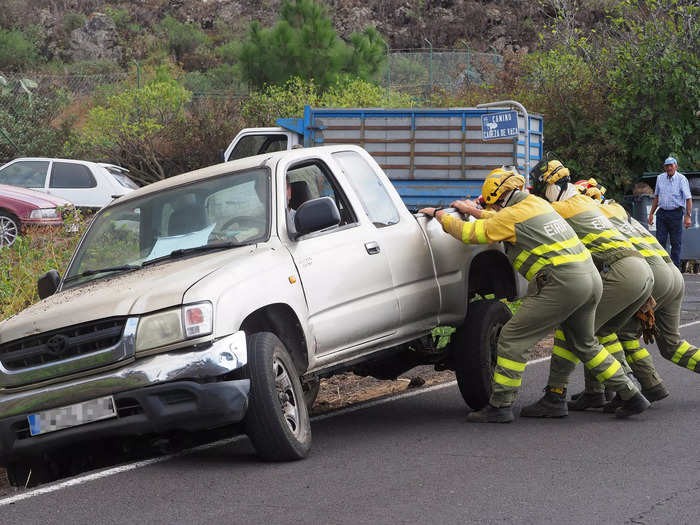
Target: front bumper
<point x="173" y="391"/>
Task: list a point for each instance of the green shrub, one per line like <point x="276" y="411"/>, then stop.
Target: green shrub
<point x="16" y="51"/>
<point x="182" y="38"/>
<point x="72" y="21"/>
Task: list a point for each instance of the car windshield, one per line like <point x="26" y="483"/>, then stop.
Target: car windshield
<point x="122" y="179"/>
<point x="219" y="212"/>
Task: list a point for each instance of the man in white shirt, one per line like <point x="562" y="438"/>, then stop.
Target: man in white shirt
<point x="672" y="197"/>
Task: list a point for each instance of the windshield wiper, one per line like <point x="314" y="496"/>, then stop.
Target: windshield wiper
<point x="87" y="273"/>
<point x="176" y="254"/>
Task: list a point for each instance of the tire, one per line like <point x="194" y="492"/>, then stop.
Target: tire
<point x="311" y="389"/>
<point x="9" y="229"/>
<point x="277" y="421"/>
<point x="474" y="350"/>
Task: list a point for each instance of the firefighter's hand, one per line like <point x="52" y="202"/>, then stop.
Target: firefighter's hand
<point x="465" y="206"/>
<point x="687" y="222"/>
<point x="432" y="212"/>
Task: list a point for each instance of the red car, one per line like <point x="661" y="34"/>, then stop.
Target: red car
<point x="20" y="207"/>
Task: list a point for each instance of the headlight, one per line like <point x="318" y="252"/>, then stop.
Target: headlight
<point x="44" y="213"/>
<point x="172" y="326"/>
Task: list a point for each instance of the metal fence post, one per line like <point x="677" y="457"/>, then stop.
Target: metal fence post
<point x="388" y="69"/>
<point x="138" y="74"/>
<point x="430" y="77"/>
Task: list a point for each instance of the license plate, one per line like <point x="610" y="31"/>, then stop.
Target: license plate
<point x="71" y="416"/>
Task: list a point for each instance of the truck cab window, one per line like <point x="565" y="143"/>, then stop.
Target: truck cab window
<point x="312" y="180"/>
<point x="251" y="145"/>
<point x="375" y="199"/>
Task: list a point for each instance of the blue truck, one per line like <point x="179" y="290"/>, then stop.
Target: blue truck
<point x="432" y="156"/>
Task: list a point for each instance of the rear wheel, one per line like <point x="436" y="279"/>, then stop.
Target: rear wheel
<point x="9" y="229"/>
<point x="277" y="421"/>
<point x="474" y="349"/>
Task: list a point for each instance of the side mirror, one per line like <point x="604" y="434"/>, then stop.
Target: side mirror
<point x="48" y="283"/>
<point x="315" y="215"/>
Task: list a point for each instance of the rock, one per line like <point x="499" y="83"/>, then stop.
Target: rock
<point x="416" y="382"/>
<point x="97" y="39"/>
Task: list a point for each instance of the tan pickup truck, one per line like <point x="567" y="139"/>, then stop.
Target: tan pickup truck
<point x="221" y="296"/>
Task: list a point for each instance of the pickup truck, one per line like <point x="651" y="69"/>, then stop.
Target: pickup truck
<point x="219" y="297"/>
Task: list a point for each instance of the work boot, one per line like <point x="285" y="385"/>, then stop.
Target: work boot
<point x="609" y="394"/>
<point x="634" y="405"/>
<point x="587" y="400"/>
<point x="551" y="404"/>
<point x="491" y="414"/>
<point x="655" y="393"/>
<point x="613" y="405"/>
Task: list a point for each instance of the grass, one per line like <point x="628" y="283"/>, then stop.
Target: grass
<point x="35" y="253"/>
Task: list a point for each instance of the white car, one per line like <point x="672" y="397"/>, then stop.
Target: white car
<point x="86" y="184"/>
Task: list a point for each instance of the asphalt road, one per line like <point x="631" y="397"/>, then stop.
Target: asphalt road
<point x="416" y="460"/>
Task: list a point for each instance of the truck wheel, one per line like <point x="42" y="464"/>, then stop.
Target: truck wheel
<point x="311" y="389"/>
<point x="277" y="421"/>
<point x="474" y="348"/>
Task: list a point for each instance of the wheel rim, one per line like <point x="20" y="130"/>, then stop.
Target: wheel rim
<point x="8" y="231"/>
<point x="286" y="395"/>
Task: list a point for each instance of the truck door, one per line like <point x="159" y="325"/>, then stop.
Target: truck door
<point x="345" y="274"/>
<point x="401" y="238"/>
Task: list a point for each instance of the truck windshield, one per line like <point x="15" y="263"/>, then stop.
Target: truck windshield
<point x="225" y="211"/>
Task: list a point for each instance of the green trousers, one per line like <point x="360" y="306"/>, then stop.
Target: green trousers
<point x="668" y="318"/>
<point x="627" y="284"/>
<point x="564" y="296"/>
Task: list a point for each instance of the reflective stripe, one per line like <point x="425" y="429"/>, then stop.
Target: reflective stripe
<point x="559" y="335"/>
<point x="561" y="245"/>
<point x="602" y="355"/>
<point x="556" y="261"/>
<point x="611" y="246"/>
<point x="607" y="338"/>
<point x="507" y="381"/>
<point x="536" y="267"/>
<point x="565" y="354"/>
<point x="575" y="257"/>
<point x="614" y="348"/>
<point x="648" y="253"/>
<point x="611" y="370"/>
<point x="510" y="365"/>
<point x="680" y="352"/>
<point x="588" y="239"/>
<point x="630" y="345"/>
<point x="692" y="363"/>
<point x="639" y="354"/>
<point x="480" y="231"/>
<point x="520" y="259"/>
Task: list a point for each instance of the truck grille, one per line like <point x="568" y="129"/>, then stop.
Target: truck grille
<point x="61" y="344"/>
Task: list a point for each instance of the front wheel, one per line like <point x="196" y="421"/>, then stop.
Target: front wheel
<point x="9" y="229"/>
<point x="474" y="349"/>
<point x="277" y="421"/>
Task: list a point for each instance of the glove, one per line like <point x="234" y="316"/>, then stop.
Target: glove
<point x="646" y="316"/>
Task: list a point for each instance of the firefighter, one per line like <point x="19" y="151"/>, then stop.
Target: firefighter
<point x="661" y="322"/>
<point x="627" y="279"/>
<point x="564" y="290"/>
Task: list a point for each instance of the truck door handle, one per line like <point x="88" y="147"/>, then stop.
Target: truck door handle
<point x="372" y="247"/>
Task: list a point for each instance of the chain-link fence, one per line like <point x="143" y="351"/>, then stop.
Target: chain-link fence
<point x="419" y="71"/>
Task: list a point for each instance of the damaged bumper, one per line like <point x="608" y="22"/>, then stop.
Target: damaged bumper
<point x="177" y="390"/>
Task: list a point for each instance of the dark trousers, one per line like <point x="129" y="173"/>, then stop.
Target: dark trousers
<point x="670" y="223"/>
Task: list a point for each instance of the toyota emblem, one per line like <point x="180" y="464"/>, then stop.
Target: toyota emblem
<point x="57" y="345"/>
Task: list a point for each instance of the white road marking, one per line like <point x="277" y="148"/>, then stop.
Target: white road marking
<point x="47" y="489"/>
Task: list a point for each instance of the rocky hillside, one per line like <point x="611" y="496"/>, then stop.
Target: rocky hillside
<point x="79" y="30"/>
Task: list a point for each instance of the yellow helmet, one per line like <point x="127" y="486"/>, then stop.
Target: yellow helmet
<point x="590" y="188"/>
<point x="498" y="182"/>
<point x="555" y="172"/>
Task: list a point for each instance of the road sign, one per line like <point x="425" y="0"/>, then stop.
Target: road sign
<point x="499" y="125"/>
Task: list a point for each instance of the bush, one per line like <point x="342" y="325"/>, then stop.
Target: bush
<point x="136" y="128"/>
<point x="32" y="255"/>
<point x="72" y="21"/>
<point x="182" y="38"/>
<point x="16" y="51"/>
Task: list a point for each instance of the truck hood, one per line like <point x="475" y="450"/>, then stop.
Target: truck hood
<point x="134" y="293"/>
